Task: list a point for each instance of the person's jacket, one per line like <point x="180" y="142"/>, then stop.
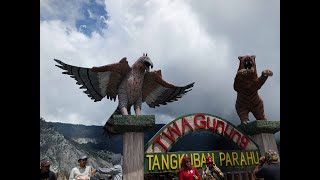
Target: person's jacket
<point x="48" y="176"/>
<point x="189" y="174"/>
<point x="116" y="170"/>
<point x="211" y="173"/>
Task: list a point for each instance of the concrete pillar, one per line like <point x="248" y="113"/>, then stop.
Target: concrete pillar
<point x="133" y="128"/>
<point x="133" y="155"/>
<point x="266" y="142"/>
<point x="262" y="133"/>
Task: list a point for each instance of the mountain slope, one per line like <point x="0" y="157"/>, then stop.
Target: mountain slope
<point x="64" y="153"/>
<point x="92" y="138"/>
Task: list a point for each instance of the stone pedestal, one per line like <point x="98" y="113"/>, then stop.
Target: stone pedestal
<point x="266" y="141"/>
<point x="133" y="127"/>
<point x="262" y="132"/>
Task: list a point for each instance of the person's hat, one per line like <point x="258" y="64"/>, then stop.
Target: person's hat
<point x="209" y="159"/>
<point x="185" y="159"/>
<point x="271" y="155"/>
<point x="45" y="163"/>
<point x="82" y="158"/>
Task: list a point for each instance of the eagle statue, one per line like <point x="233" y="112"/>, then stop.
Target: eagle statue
<point x="133" y="85"/>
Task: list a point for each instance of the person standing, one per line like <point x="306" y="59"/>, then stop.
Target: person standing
<point x="187" y="171"/>
<point x="269" y="167"/>
<point x="211" y="171"/>
<point x="82" y="172"/>
<point x="116" y="170"/>
<point x="45" y="173"/>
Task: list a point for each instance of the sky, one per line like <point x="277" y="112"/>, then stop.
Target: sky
<point x="189" y="41"/>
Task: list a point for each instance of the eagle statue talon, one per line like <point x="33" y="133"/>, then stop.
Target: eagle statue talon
<point x="138" y="111"/>
<point x="245" y="122"/>
<point x="133" y="85"/>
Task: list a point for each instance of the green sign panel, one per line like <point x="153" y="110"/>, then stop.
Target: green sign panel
<point x="167" y="162"/>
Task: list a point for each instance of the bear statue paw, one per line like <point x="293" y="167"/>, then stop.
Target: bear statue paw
<point x="267" y="72"/>
<point x="242" y="71"/>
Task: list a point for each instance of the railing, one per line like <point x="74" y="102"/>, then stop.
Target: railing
<point x="241" y="175"/>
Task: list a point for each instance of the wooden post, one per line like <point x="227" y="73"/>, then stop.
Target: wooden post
<point x="250" y="176"/>
<point x="244" y="176"/>
<point x="236" y="176"/>
<point x="229" y="176"/>
<point x="133" y="128"/>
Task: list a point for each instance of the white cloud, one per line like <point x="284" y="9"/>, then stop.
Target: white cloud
<point x="68" y="11"/>
<point x="163" y="118"/>
<point x="182" y="39"/>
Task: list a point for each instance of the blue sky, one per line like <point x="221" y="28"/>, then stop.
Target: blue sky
<point x="92" y="18"/>
<point x="189" y="41"/>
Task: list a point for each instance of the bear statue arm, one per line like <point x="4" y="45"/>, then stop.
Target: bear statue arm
<point x="261" y="80"/>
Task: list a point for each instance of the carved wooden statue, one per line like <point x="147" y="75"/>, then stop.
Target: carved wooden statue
<point x="247" y="83"/>
<point x="133" y="85"/>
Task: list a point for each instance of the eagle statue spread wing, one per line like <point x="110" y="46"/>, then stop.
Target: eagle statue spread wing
<point x="133" y="85"/>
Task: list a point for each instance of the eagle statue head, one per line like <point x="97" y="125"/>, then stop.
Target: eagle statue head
<point x="144" y="63"/>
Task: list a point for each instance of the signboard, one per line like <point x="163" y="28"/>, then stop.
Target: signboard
<point x="173" y="131"/>
<point x="164" y="162"/>
<point x="158" y="157"/>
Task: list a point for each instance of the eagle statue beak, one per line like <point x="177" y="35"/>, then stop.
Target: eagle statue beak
<point x="148" y="63"/>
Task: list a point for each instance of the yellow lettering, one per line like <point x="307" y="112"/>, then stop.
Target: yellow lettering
<point x="203" y="159"/>
<point x="235" y="158"/>
<point x="228" y="159"/>
<point x="222" y="158"/>
<point x="242" y="159"/>
<point x="175" y="166"/>
<point x="156" y="162"/>
<point x="164" y="162"/>
<point x="149" y="156"/>
<point x="256" y="158"/>
<point x="180" y="156"/>
<point x="250" y="157"/>
<point x="213" y="158"/>
<point x="196" y="160"/>
<point x="171" y="161"/>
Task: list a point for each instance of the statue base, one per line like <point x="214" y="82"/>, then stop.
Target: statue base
<point x="262" y="133"/>
<point x="133" y="128"/>
<point x="132" y="123"/>
<point x="260" y="126"/>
